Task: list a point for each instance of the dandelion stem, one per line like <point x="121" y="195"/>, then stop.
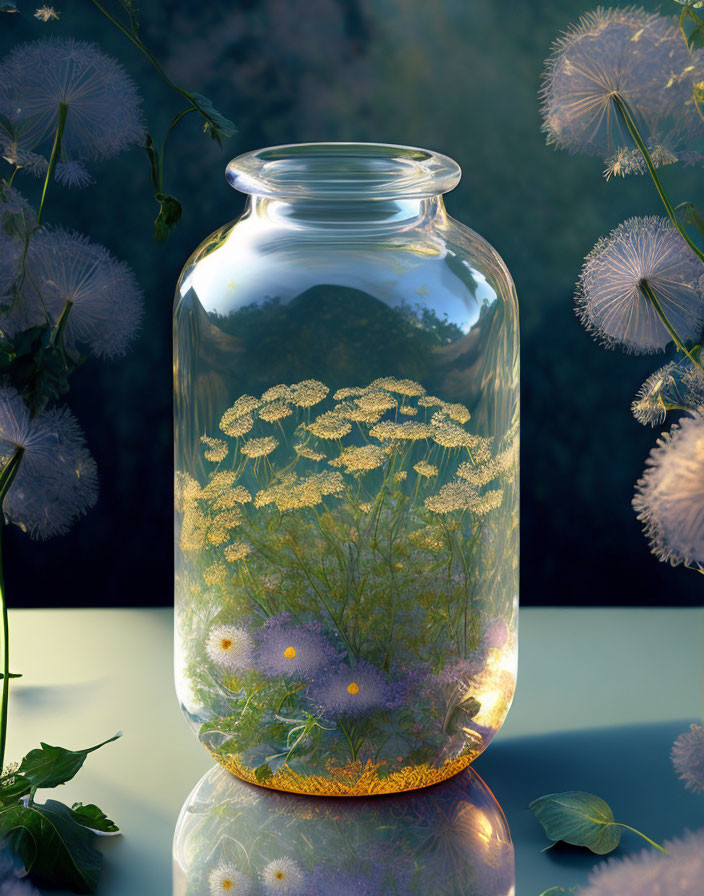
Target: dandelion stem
<point x="628" y="120"/>
<point x="54" y="157"/>
<point x="57" y="337"/>
<point x="7" y="476"/>
<point x="649" y="293"/>
<point x="627" y="827"/>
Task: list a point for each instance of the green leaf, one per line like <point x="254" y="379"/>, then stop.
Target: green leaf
<point x="154" y="163"/>
<point x="51" y="766"/>
<point x="216" y="125"/>
<point x="557" y="891"/>
<point x="51" y="845"/>
<point x="90" y="816"/>
<point x="14" y="789"/>
<point x="168" y="217"/>
<point x="262" y="773"/>
<point x="580" y="819"/>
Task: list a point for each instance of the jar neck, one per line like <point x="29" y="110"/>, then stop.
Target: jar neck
<point x="346" y="214"/>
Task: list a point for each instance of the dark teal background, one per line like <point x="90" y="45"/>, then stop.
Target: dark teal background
<point x="456" y="76"/>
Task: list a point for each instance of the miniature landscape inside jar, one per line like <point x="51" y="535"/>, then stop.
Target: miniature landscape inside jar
<point x="347" y="586"/>
<point x="452" y="840"/>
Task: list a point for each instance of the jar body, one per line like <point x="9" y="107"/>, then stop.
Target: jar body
<point x="346" y="454"/>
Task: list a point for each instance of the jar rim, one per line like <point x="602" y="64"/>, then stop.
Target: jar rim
<point x="343" y="171"/>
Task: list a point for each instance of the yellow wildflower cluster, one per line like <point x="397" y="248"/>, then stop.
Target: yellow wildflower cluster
<point x="236" y="426"/>
<point x="291" y="492"/>
<point x="243" y="407"/>
<point x="402" y="387"/>
<point x="275" y="411"/>
<point x="329" y="425"/>
<point x="462" y="495"/>
<point x="430" y="538"/>
<point x="409" y="430"/>
<point x="259" y="447"/>
<point x="408" y="410"/>
<point x="308" y="392"/>
<point x="426" y="470"/>
<point x="359" y="458"/>
<point x="237" y="551"/>
<point x="216" y="450"/>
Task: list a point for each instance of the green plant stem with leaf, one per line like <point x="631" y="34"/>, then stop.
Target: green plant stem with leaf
<point x="54" y="157"/>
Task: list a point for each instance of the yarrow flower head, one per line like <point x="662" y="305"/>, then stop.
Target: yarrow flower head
<point x="688" y="758"/>
<point x="678" y="385"/>
<point x="344" y="691"/>
<point x="284" y="877"/>
<point x="56" y="481"/>
<point x="229" y="647"/>
<point x="669" y="497"/>
<point x="228" y="880"/>
<point x="104" y="109"/>
<point x="623" y="54"/>
<point x="295" y="651"/>
<point x="679" y="873"/>
<point x="641" y="254"/>
<point x="104" y="300"/>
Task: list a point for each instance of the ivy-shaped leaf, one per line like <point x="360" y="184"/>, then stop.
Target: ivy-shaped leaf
<point x="51" y="766"/>
<point x="51" y="845"/>
<point x="216" y="125"/>
<point x="93" y="818"/>
<point x="580" y="819"/>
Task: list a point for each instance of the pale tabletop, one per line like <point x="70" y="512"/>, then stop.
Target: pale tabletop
<point x="601" y="695"/>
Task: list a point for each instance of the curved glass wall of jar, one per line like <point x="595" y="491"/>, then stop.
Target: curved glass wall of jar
<point x="346" y="419"/>
<point x="452" y="840"/>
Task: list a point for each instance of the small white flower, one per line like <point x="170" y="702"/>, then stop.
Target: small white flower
<point x="229" y="647"/>
<point x="227" y="880"/>
<point x="283" y="877"/>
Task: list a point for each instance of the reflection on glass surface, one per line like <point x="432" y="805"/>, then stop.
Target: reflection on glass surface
<point x="235" y="839"/>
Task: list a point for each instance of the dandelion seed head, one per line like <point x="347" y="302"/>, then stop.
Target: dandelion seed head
<point x="228" y="880"/>
<point x="610" y="302"/>
<point x="627" y="161"/>
<point x="56" y="482"/>
<point x="215" y="449"/>
<point x="688" y="758"/>
<point x="106" y="302"/>
<point x="295" y="651"/>
<point x="104" y="108"/>
<point x="229" y="647"/>
<point x="284" y="877"/>
<point x="259" y="447"/>
<point x="625" y="52"/>
<point x="360" y="458"/>
<point x="669" y="498"/>
<point x="652" y="873"/>
<point x="73" y="174"/>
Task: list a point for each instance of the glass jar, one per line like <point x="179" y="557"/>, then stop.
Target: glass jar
<point x="235" y="838"/>
<point x="346" y="453"/>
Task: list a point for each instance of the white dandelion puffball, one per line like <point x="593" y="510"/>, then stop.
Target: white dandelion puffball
<point x="227" y="880"/>
<point x="677" y="385"/>
<point x="104" y="108"/>
<point x="56" y="482"/>
<point x="106" y="302"/>
<point x="669" y="497"/>
<point x="283" y="877"/>
<point x="610" y="301"/>
<point x="639" y="57"/>
<point x="229" y="647"/>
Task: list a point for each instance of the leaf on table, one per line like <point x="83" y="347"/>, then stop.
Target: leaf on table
<point x="52" y="846"/>
<point x="93" y="818"/>
<point x="51" y="766"/>
<point x="580" y="819"/>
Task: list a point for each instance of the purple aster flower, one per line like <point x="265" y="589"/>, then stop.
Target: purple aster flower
<point x="104" y="299"/>
<point x="56" y="481"/>
<point x="297" y="651"/>
<point x="634" y="55"/>
<point x="461" y="671"/>
<point x="641" y="253"/>
<point x="496" y="635"/>
<point x="650" y="873"/>
<point x="688" y="758"/>
<point x="104" y="109"/>
<point x="347" y="691"/>
<point x="669" y="497"/>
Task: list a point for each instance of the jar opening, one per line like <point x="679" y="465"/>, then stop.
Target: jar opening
<point x="343" y="171"/>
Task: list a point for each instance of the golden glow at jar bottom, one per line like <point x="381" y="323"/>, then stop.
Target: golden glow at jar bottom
<point x="354" y="779"/>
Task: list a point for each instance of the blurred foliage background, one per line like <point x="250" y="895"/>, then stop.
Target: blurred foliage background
<point x="458" y="77"/>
